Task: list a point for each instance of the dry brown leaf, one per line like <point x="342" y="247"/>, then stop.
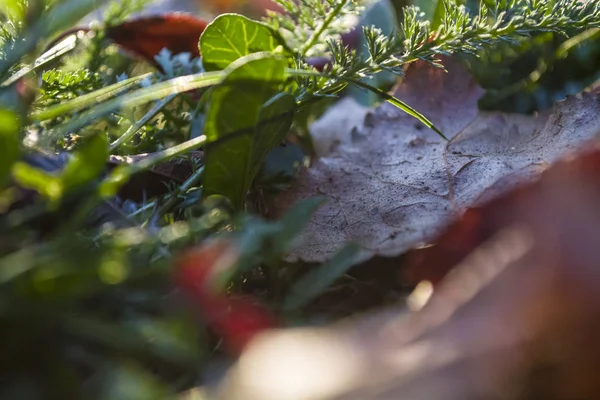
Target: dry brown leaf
<point x="392" y="184"/>
<point x="518" y="319"/>
<point x="147" y="36"/>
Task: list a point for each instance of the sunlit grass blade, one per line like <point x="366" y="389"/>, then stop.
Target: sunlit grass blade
<point x="400" y="104"/>
<point x="145" y="95"/>
<point x="55" y="52"/>
<point x="384" y="95"/>
<point x="132" y="130"/>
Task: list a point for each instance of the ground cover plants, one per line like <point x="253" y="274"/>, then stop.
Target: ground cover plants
<point x="142" y="161"/>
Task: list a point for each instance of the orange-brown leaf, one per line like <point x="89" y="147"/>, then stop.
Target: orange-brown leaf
<point x="147" y="36"/>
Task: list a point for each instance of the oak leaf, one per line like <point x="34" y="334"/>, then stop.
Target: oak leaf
<point x="393" y="185"/>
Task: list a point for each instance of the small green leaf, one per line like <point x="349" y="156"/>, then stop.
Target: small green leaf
<point x="170" y="338"/>
<point x="9" y="144"/>
<point x="231" y="36"/>
<point x="249" y="105"/>
<point x="281" y="104"/>
<point x="115" y="180"/>
<point x="314" y="283"/>
<point x="87" y="162"/>
<point x="283" y="233"/>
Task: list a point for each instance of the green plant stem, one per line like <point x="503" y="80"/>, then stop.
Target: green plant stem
<point x="119" y="176"/>
<point x="187" y="185"/>
<point x="140" y="123"/>
<point x="167" y="154"/>
<point x="317" y="34"/>
<point x="172" y="197"/>
<point x="142" y="96"/>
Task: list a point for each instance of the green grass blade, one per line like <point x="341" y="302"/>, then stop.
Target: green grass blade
<point x="139" y="97"/>
<point x="55" y="52"/>
<point x="386" y="96"/>
<point x="400" y="104"/>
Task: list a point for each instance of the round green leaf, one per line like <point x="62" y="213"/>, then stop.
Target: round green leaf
<point x="231" y="36"/>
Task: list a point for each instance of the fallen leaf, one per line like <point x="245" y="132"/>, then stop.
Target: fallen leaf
<point x="517" y="319"/>
<point x="478" y="224"/>
<point x="326" y="139"/>
<point x="259" y="7"/>
<point x="393" y="185"/>
<point x="147" y="36"/>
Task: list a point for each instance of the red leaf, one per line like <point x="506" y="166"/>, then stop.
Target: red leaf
<point x="147" y="36"/>
<point x="236" y="319"/>
<point x="250" y="7"/>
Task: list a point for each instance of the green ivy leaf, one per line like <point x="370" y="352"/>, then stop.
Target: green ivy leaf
<point x="250" y="106"/>
<point x="87" y="163"/>
<point x="280" y="104"/>
<point x="231" y="36"/>
<point x="9" y="144"/>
